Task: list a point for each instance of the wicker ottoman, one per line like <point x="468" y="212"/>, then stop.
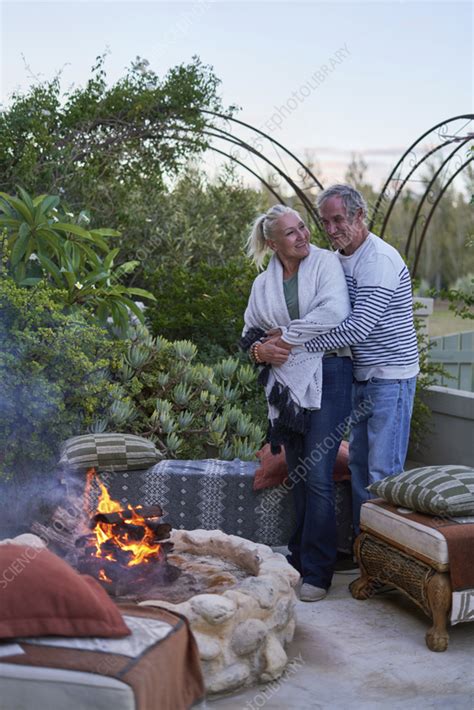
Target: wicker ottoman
<point x="409" y="556"/>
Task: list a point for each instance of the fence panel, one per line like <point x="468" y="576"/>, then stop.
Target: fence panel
<point x="456" y="354"/>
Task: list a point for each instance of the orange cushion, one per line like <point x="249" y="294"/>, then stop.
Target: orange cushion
<point x="273" y="470"/>
<point x="41" y="595"/>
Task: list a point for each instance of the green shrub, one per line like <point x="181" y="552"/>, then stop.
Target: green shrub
<point x="198" y="220"/>
<point x="204" y="304"/>
<point x="189" y="409"/>
<point x="54" y="374"/>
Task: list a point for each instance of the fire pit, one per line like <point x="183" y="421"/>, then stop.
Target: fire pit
<point x="242" y="631"/>
<point x="236" y="594"/>
<point x="126" y="548"/>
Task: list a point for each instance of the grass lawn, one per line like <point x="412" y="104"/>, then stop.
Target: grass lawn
<point x="444" y="322"/>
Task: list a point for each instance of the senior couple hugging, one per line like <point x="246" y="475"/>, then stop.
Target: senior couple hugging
<point x="333" y="336"/>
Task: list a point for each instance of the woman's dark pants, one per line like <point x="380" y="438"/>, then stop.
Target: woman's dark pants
<point x="313" y="546"/>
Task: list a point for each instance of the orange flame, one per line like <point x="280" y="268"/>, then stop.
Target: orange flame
<point x="140" y="551"/>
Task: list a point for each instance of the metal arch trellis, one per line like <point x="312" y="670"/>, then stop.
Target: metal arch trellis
<point x="256" y="153"/>
<point x="447" y="138"/>
<point x="309" y="183"/>
<point x="178" y="132"/>
<point x="404" y="182"/>
<point x="221" y="134"/>
<point x="253" y="153"/>
<point x="428" y="191"/>
<point x="391" y="177"/>
<point x="431" y="212"/>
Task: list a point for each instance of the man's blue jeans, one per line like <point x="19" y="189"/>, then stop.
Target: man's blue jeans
<point x="313" y="545"/>
<point x="380" y="431"/>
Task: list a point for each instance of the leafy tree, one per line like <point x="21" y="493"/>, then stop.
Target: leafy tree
<point x="199" y="220"/>
<point x="102" y="145"/>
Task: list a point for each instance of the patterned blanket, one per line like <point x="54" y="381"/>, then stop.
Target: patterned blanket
<point x="213" y="494"/>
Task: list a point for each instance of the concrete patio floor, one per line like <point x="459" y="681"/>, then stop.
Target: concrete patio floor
<point x="368" y="655"/>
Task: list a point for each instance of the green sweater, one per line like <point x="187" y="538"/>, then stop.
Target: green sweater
<point x="290" y="290"/>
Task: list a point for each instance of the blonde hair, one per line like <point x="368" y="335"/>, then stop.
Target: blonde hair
<point x="263" y="229"/>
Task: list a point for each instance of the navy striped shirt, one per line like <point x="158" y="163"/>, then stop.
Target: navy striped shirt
<point x="380" y="328"/>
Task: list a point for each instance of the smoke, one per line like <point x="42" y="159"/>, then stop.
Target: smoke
<point x="24" y="502"/>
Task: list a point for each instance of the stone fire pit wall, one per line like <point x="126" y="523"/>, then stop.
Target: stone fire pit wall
<point x="241" y="633"/>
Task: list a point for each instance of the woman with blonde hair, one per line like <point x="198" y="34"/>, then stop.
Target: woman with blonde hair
<point x="301" y="293"/>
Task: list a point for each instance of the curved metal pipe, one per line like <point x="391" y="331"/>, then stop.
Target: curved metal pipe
<point x="428" y="219"/>
<point x="405" y="180"/>
<point x="394" y="170"/>
<point x="235" y="160"/>
<point x="265" y="135"/>
<point x="298" y="191"/>
<point x="427" y="191"/>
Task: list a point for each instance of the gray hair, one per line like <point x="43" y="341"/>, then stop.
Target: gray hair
<point x="351" y="199"/>
<point x="263" y="229"/>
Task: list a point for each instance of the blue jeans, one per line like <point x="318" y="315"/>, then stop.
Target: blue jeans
<point x="313" y="545"/>
<point x="380" y="431"/>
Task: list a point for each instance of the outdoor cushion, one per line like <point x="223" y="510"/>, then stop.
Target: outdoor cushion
<point x="410" y="535"/>
<point x="114" y="452"/>
<point x="41" y="595"/>
<point x="273" y="470"/>
<point x="438" y="490"/>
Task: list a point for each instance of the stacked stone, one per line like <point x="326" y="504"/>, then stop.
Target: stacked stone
<point x="241" y="634"/>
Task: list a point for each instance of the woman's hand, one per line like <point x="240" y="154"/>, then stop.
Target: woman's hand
<point x="272" y="353"/>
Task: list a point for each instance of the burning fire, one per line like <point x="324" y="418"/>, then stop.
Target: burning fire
<point x="115" y="537"/>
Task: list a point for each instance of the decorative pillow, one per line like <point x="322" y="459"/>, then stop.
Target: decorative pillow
<point x="41" y="595"/>
<point x="447" y="490"/>
<point x="116" y="452"/>
<point x="273" y="470"/>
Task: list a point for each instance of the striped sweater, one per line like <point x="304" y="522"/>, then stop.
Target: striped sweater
<point x="380" y="328"/>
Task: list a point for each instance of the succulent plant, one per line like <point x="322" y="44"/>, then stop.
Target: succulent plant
<point x="187" y="408"/>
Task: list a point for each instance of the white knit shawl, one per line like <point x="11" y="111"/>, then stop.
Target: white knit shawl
<point x="323" y="304"/>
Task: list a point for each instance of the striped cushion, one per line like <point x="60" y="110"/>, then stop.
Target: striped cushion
<point x="436" y="490"/>
<point x="113" y="452"/>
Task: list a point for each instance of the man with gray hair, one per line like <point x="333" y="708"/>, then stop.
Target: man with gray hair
<point x="382" y="337"/>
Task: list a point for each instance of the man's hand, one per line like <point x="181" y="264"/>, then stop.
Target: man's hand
<point x="273" y="331"/>
<point x="281" y="344"/>
<point x="272" y="353"/>
<point x="276" y="340"/>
